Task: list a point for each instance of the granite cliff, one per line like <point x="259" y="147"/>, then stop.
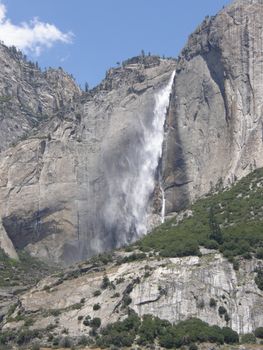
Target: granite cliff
<point x="214" y="124"/>
<point x="68" y="164"/>
<point x="63" y="189"/>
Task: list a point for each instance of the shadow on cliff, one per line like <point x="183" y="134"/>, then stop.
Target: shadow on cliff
<point x="23" y="230"/>
<point x="174" y="174"/>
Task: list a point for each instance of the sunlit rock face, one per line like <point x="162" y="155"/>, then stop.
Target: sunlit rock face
<point x="76" y="187"/>
<point x="214" y="126"/>
<point x="174" y="289"/>
<point x="88" y="177"/>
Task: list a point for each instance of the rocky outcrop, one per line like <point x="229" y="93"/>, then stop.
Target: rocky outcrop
<point x="214" y="125"/>
<point x="170" y="288"/>
<point x="29" y="97"/>
<point x="6" y="244"/>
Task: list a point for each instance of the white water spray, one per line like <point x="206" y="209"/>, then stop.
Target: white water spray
<point x="132" y="176"/>
<point x="163" y="204"/>
<point x="152" y="152"/>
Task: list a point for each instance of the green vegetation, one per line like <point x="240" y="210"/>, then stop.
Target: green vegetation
<point x="131" y="258"/>
<point x="259" y="279"/>
<point x="97" y="293"/>
<point x="95" y="322"/>
<point x="105" y="282"/>
<point x="121" y="333"/>
<point x="212" y="302"/>
<point x="259" y="253"/>
<point x="5" y="99"/>
<point x="222" y="310"/>
<point x="92" y="322"/>
<point x="230" y="221"/>
<point x="151" y="329"/>
<point x="96" y="307"/>
<point x="248" y="338"/>
<point x="26" y="271"/>
<point x="259" y="332"/>
<point x="20" y="337"/>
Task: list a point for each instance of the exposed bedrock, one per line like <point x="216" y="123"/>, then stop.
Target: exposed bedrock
<point x="214" y="125"/>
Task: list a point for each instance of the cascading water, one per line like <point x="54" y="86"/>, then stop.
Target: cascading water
<point x="163" y="204"/>
<point x="135" y="168"/>
<point x="152" y="152"/>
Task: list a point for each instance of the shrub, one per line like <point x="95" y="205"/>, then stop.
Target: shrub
<point x="201" y="304"/>
<point x="248" y="338"/>
<point x="105" y="282"/>
<point x="55" y="341"/>
<point x="259" y="332"/>
<point x="96" y="307"/>
<point x="97" y="293"/>
<point x="216" y="233"/>
<point x="116" y="295"/>
<point x="95" y="322"/>
<point x="120" y="280"/>
<point x="29" y="322"/>
<point x="168" y="341"/>
<point x="24" y="336"/>
<point x="152" y="329"/>
<point x="126" y="300"/>
<point x="259" y="279"/>
<point x="64" y="331"/>
<point x="211" y="244"/>
<point x="222" y="310"/>
<point x="55" y="312"/>
<point x="193" y="346"/>
<point x="133" y="257"/>
<point x="230" y="336"/>
<point x="212" y="302"/>
<point x="121" y="333"/>
<point x="66" y="342"/>
<point x="235" y="265"/>
<point x="35" y="346"/>
<point x="227" y="317"/>
<point x="86" y="321"/>
<point x="80" y="318"/>
<point x="84" y="340"/>
<point x="247" y="256"/>
<point x="259" y="253"/>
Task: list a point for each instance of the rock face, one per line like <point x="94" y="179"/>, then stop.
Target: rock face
<point x="58" y="187"/>
<point x="214" y="125"/>
<point x="29" y="97"/>
<point x="171" y="288"/>
<point x="64" y="189"/>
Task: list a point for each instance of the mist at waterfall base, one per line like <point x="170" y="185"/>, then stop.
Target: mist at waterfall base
<point x="127" y="211"/>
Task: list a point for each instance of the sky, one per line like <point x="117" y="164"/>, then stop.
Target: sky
<point x="87" y="37"/>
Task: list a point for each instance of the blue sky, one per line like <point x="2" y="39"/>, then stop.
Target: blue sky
<point x="92" y="35"/>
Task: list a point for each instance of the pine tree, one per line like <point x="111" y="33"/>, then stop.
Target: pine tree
<point x="216" y="233"/>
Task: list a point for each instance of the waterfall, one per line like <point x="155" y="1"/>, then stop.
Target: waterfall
<point x="151" y="154"/>
<point x="131" y="175"/>
<point x="163" y="204"/>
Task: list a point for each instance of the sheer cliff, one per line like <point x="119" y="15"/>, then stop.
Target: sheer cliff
<point x="214" y="124"/>
<point x="65" y="188"/>
<point x="78" y="177"/>
<point x="69" y="188"/>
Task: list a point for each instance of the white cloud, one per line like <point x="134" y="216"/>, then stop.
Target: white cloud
<point x="30" y="37"/>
